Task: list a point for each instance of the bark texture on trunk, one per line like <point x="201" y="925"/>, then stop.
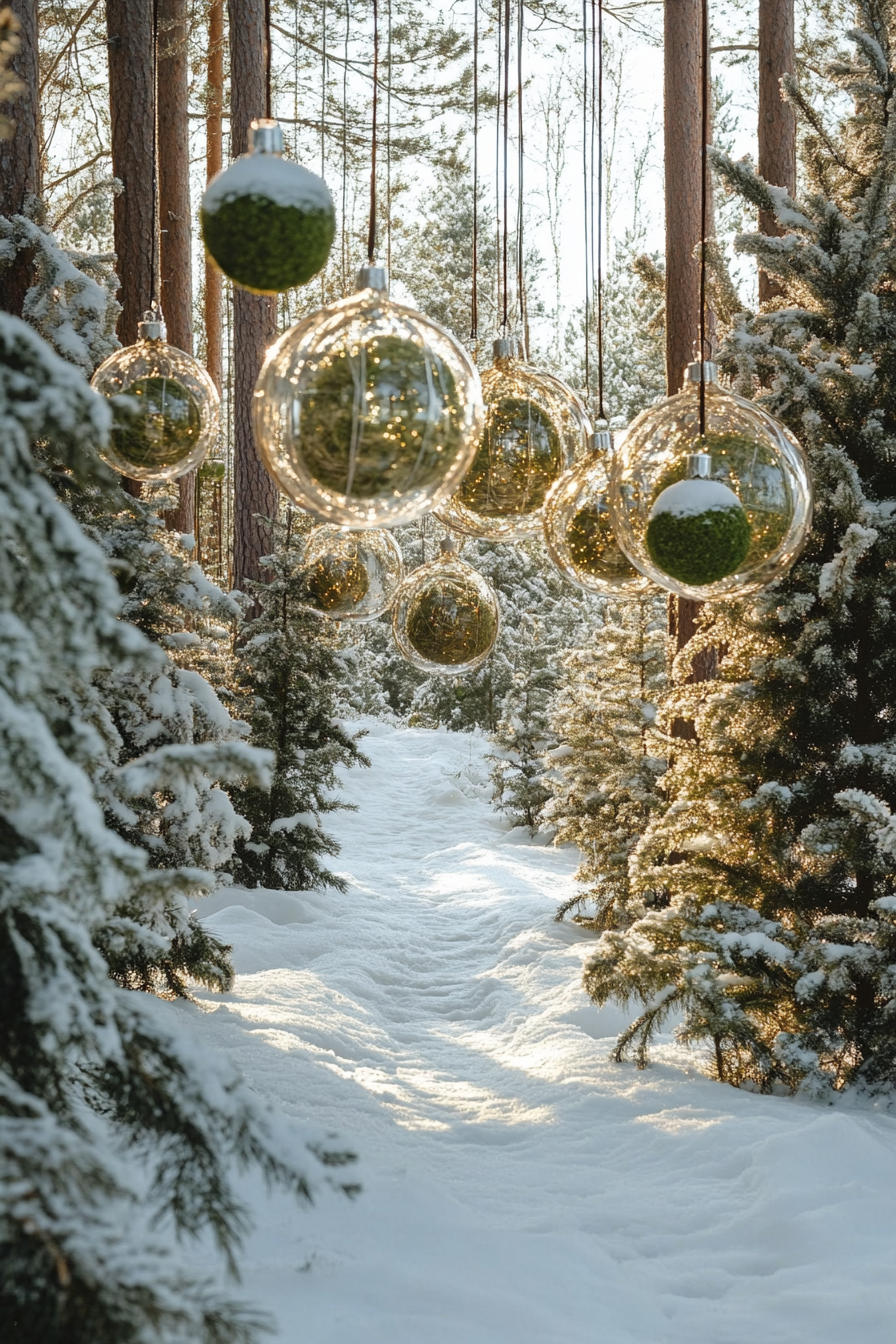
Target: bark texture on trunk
<point x="254" y="316"/>
<point x="175" y="234"/>
<point x="214" y="162"/>
<point x="777" y="123"/>
<point x="20" y="156"/>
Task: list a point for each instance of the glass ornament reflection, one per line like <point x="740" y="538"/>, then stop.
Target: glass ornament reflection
<point x="366" y="413"/>
<point x="350" y="576"/>
<point x="535" y="427"/>
<point x="446" y="616"/>
<point x="165" y="407"/>
<point x="716" y="514"/>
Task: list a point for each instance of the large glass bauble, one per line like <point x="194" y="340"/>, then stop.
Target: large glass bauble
<point x="350" y="576"/>
<point x="691" y="536"/>
<point x="535" y="427"/>
<point x="165" y="407"/>
<point x="367" y="414"/>
<point x="446" y="616"/>
<point x="266" y="222"/>
<point x="578" y="531"/>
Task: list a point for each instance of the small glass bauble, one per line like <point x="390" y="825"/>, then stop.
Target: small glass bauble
<point x="578" y="531"/>
<point x="350" y="576"/>
<point x="165" y="407"/>
<point x="367" y="414"/>
<point x="446" y="616"/>
<point x="535" y="427"/>
<point x="266" y="222"/>
<point x="716" y="514"/>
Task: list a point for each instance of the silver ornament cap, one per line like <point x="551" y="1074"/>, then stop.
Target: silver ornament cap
<point x="602" y="441"/>
<point x="152" y="328"/>
<point x="373" y="277"/>
<point x="710" y="371"/>
<point x="507" y="347"/>
<point x="265" y="137"/>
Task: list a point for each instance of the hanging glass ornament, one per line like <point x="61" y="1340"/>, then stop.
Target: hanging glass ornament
<point x="266" y="222"/>
<point x="165" y="407"/>
<point x="715" y="514"/>
<point x="578" y="531"/>
<point x="367" y="414"/>
<point x="350" y="576"/>
<point x="446" y="616"/>
<point x="535" y="427"/>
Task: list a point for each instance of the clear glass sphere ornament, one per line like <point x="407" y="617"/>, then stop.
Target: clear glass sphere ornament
<point x="266" y="222"/>
<point x="165" y="407"/>
<point x="446" y="616"/>
<point x="535" y="427"/>
<point x="714" y="515"/>
<point x="367" y="414"/>
<point x="350" y="576"/>
<point x="578" y="531"/>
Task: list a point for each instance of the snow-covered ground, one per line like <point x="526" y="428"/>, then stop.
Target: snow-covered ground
<point x="519" y="1188"/>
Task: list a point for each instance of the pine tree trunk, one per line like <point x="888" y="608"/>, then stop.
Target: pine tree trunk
<point x="683" y="90"/>
<point x="132" y="109"/>
<point x="254" y="316"/>
<point x="214" y="162"/>
<point x="175" y="234"/>
<point x="20" y="156"/>
<point x="777" y="123"/>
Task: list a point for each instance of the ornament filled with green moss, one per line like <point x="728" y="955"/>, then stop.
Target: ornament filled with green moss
<point x="336" y="583"/>
<point x="381" y="418"/>
<point x="697" y="530"/>
<point x="266" y="222"/>
<point x="593" y="547"/>
<point x="520" y="457"/>
<point x="446" y="615"/>
<point x="156" y="425"/>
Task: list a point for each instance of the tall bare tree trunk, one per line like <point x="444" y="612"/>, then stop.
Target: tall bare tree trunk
<point x="777" y="123"/>
<point x="132" y="108"/>
<point x="175" y="234"/>
<point x="254" y="316"/>
<point x="20" y="156"/>
<point x="214" y="162"/>
<point x="683" y="95"/>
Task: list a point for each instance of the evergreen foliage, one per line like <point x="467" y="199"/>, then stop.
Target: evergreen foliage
<point x="87" y="1070"/>
<point x="777" y="848"/>
<point x="286" y="679"/>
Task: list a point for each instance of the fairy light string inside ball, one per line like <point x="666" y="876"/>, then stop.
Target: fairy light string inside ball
<point x="367" y="413"/>
<point x="710" y="496"/>
<point x="446" y="616"/>
<point x="578" y="530"/>
<point x="266" y="222"/>
<point x="350" y="576"/>
<point x="165" y="407"/>
<point x="535" y="427"/>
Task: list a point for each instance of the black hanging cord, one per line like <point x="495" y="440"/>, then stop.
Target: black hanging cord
<point x="268" y="100"/>
<point x="505" y="316"/>
<point x="348" y="17"/>
<point x="704" y="133"/>
<point x="521" y="292"/>
<point x="498" y="67"/>
<point x="389" y="138"/>
<point x="585" y="177"/>
<point x="474" y="290"/>
<point x="599" y="28"/>
<point x="371" y="231"/>
<point x="156" y="238"/>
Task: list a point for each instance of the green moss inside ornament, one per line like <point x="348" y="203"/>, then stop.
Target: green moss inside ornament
<point x="379" y="420"/>
<point x="265" y="247"/>
<point x="592" y="545"/>
<point x="519" y="458"/>
<point x="698" y="532"/>
<point x="336" y="583"/>
<point x="156" y="423"/>
<point x="450" y="625"/>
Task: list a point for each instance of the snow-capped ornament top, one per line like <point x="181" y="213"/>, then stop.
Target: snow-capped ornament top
<point x="166" y="409"/>
<point x="267" y="223"/>
<point x="367" y="414"/>
<point x="577" y="528"/>
<point x="715" y="514"/>
<point x="446" y="615"/>
<point x="535" y="427"/>
<point x="350" y="576"/>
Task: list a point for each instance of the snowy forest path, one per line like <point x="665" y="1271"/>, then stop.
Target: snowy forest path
<point x="519" y="1187"/>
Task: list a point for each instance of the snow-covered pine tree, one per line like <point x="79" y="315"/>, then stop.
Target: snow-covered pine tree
<point x="605" y="772"/>
<point x="92" y="1077"/>
<point x="777" y="850"/>
<point x="287" y="677"/>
